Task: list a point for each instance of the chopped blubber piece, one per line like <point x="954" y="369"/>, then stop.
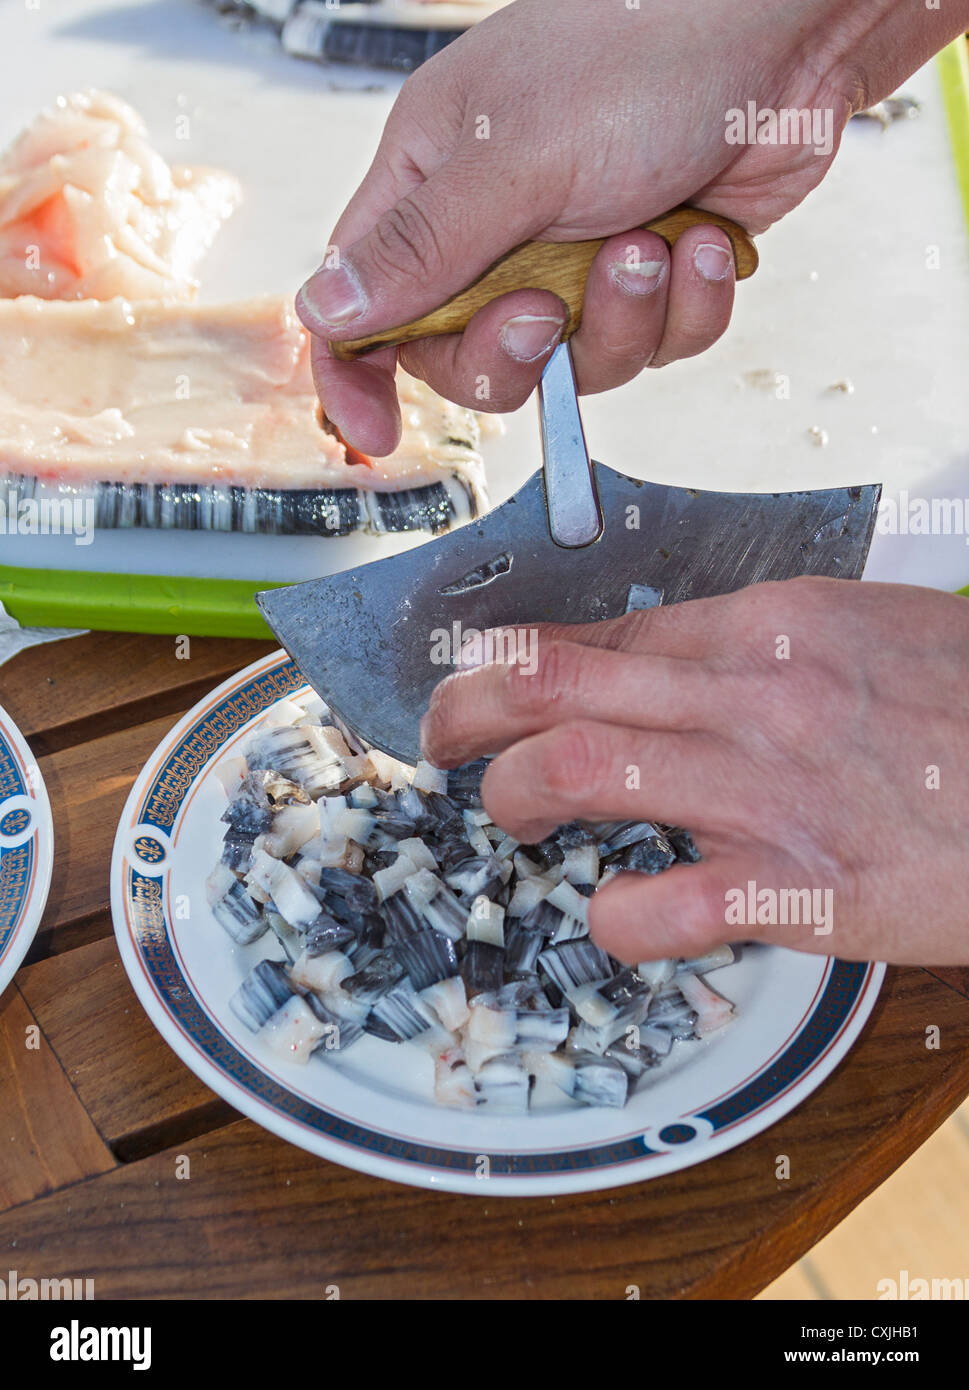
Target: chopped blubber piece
<point x="427" y="957"/>
<point x="682" y="843"/>
<point x="294" y="753"/>
<point x="636" y="845"/>
<point x="575" y="963"/>
<point x="482" y="968"/>
<point x="376" y="978"/>
<point x="243" y="918"/>
<point x="464" y="783"/>
<point x="475" y="875"/>
<point x="400" y="1012"/>
<point x="327" y="934"/>
<point x="522" y="948"/>
<point x="408" y="916"/>
<point x="599" y="1080"/>
<point x="502" y="1085"/>
<point x="264" y="990"/>
<point x="237" y="850"/>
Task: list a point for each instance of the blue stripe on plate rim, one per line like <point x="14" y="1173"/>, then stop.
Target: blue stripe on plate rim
<point x="16" y="863"/>
<point x="844" y="985"/>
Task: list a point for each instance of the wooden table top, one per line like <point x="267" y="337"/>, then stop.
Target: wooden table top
<point x="94" y="1121"/>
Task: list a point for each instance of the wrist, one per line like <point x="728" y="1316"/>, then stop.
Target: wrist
<point x="865" y="49"/>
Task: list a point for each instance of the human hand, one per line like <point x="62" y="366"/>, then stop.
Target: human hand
<point x="597" y="118"/>
<point x="839" y="769"/>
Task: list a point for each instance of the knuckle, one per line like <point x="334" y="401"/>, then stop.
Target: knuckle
<point x="405" y="245"/>
<point x="636" y="627"/>
<point x="572" y="762"/>
<point x="702" y="913"/>
<point x="533" y="691"/>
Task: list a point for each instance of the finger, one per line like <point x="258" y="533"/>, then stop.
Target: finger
<point x="360" y="398"/>
<point x="692" y="907"/>
<point x="681" y="912"/>
<point x="432" y="243"/>
<point x="496" y="363"/>
<point x="682" y="629"/>
<point x="701" y="294"/>
<point x="488" y="709"/>
<point x="624" y="311"/>
<point x="582" y="769"/>
<point x="429" y="245"/>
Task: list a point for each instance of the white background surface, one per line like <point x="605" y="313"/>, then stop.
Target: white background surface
<point x="843" y="289"/>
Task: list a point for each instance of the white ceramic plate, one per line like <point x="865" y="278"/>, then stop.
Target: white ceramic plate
<point x="26" y="848"/>
<point x="372" y="1107"/>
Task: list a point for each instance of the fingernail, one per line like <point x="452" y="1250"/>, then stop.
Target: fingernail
<point x="712" y="262"/>
<point x="642" y="278"/>
<point x="530" y="336"/>
<point x="332" y="296"/>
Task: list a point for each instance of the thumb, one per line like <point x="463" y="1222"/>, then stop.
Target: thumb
<point x="428" y="246"/>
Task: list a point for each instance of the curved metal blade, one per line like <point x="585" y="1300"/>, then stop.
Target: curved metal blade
<point x="376" y="640"/>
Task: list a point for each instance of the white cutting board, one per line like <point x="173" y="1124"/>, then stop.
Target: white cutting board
<point x="843" y="291"/>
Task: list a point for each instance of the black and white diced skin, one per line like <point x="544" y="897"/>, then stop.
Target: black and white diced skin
<point x="482" y="968"/>
<point x="375" y="978"/>
<point x="401" y="1013"/>
<point x="237" y="850"/>
<point x="448" y="1000"/>
<point x="636" y="845"/>
<point x="427" y="957"/>
<point x="240" y="915"/>
<point x="575" y="963"/>
<point x="474" y="876"/>
<point x="446" y="934"/>
<point x="682" y="843"/>
<point x="327" y="934"/>
<point x="503" y="1085"/>
<point x="599" y="1080"/>
<point x="716" y="959"/>
<point x="339" y="1033"/>
<point x="300" y="754"/>
<point x="464" y="783"/>
<point x="402" y="918"/>
<point x="522" y="948"/>
<point x="436" y="903"/>
<point x="634" y="1059"/>
<point x="658" y="1041"/>
<point x="289" y="894"/>
<point x="264" y="991"/>
<point x="250" y="811"/>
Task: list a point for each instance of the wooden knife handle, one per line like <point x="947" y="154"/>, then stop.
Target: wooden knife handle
<point x="559" y="266"/>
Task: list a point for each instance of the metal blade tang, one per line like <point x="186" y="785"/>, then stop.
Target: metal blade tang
<point x="574" y="513"/>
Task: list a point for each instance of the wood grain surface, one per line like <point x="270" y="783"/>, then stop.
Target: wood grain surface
<point x="117" y="1164"/>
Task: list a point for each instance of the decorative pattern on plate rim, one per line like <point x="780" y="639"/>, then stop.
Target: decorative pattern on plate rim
<point x="844" y="986"/>
<point x="26" y="848"/>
